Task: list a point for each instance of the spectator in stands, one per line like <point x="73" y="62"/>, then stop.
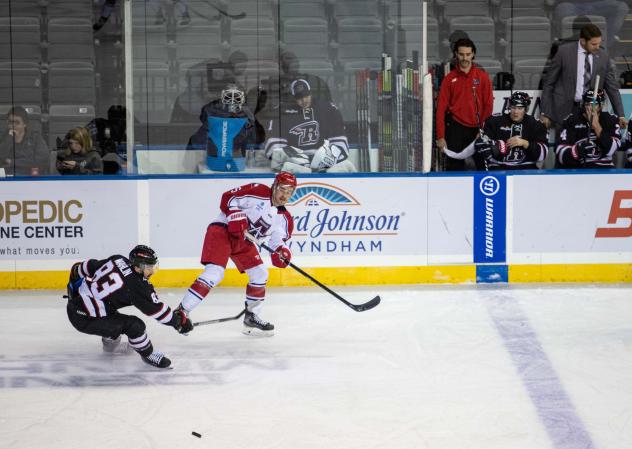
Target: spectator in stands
<point x="108" y="135"/>
<point x="513" y="140"/>
<point x="574" y="70"/>
<point x="77" y="156"/>
<point x="23" y="152"/>
<point x="614" y="11"/>
<point x="581" y="146"/>
<point x="465" y="101"/>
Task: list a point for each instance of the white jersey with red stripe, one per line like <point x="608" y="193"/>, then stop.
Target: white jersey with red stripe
<point x="264" y="219"/>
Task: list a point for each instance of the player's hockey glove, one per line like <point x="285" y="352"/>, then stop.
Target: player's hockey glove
<point x="488" y="149"/>
<point x="237" y="224"/>
<point x="584" y="148"/>
<point x="281" y="257"/>
<point x="181" y="321"/>
<point x="74" y="281"/>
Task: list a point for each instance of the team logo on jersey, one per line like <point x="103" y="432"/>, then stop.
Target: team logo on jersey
<point x="516" y="155"/>
<point x="316" y="193"/>
<point x="308" y="133"/>
<point x="260" y="227"/>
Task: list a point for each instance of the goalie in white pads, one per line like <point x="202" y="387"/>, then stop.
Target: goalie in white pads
<point x="309" y="136"/>
<point x="261" y="211"/>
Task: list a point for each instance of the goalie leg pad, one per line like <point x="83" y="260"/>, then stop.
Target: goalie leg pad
<point x="294" y="168"/>
<point x="288" y="154"/>
<point x="345" y="166"/>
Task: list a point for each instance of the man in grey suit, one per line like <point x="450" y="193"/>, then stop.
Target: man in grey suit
<point x="574" y="70"/>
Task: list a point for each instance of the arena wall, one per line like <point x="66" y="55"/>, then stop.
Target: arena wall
<point x="350" y="230"/>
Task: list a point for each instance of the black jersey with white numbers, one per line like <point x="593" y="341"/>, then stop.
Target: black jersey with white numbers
<point x="111" y="284"/>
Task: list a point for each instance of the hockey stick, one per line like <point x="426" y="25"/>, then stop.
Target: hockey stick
<point x="223" y="13"/>
<point x="592" y="106"/>
<point x="219" y="320"/>
<point x="357" y="307"/>
<point x="480" y="125"/>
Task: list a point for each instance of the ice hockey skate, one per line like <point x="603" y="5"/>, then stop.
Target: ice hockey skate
<point x="256" y="327"/>
<point x="114" y="346"/>
<point x="157" y="359"/>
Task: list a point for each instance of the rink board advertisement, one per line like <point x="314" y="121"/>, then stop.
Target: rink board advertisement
<point x="562" y="226"/>
<point x="332" y="216"/>
<point x="67" y="220"/>
<point x="490" y="201"/>
<point x="561" y="218"/>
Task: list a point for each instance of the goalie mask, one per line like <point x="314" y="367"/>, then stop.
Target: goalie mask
<point x="233" y="98"/>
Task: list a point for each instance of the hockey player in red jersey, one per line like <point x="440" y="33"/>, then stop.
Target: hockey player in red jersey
<point x="97" y="289"/>
<point x="261" y="211"/>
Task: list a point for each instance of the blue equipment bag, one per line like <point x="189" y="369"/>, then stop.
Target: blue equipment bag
<point x="222" y="154"/>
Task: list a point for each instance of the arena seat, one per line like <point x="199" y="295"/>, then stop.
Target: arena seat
<point x="307" y="38"/>
<point x="70" y="39"/>
<point x="20" y="39"/>
<point x="71" y="83"/>
<point x="21" y="82"/>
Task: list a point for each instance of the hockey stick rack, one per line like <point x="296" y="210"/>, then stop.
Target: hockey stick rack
<point x="357" y="307"/>
<point x="220" y="320"/>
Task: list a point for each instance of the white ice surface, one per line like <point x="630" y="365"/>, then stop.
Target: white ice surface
<point x="544" y="367"/>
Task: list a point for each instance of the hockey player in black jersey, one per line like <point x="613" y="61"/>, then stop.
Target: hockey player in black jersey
<point x="590" y="137"/>
<point x="309" y="135"/>
<point x="97" y="289"/>
<point x="513" y="140"/>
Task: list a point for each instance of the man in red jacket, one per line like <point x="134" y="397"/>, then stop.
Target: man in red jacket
<point x="465" y="101"/>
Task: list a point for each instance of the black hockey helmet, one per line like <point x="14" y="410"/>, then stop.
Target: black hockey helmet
<point x="142" y="255"/>
<point x="589" y="94"/>
<point x="520" y="99"/>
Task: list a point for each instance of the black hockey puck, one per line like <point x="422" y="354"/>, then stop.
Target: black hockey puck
<point x="195" y="434"/>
